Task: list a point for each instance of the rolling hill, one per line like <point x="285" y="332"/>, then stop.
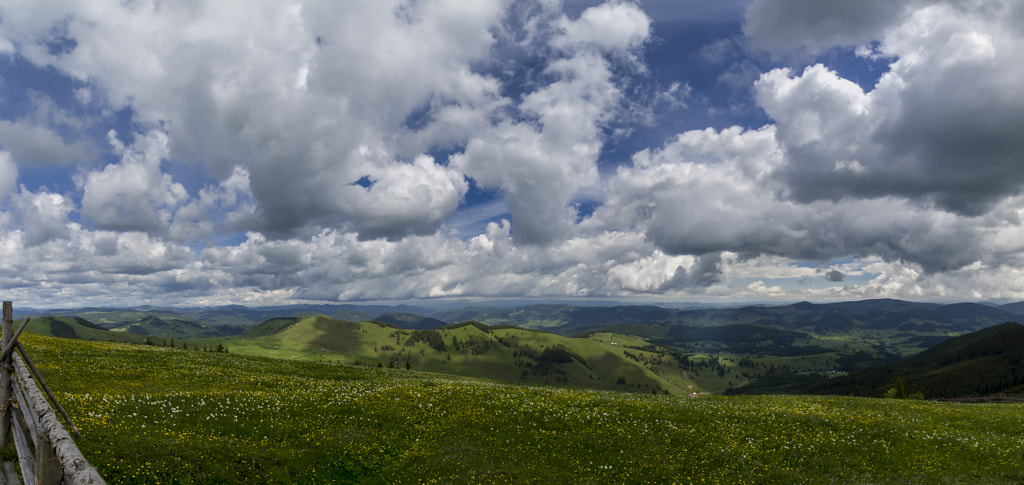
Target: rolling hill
<point x="767" y="349"/>
<point x="79" y="328"/>
<point x="989" y="361"/>
<point x="508" y="354"/>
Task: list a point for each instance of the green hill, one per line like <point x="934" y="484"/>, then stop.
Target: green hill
<point x="989" y="361"/>
<point x="600" y="361"/>
<point x="149" y="328"/>
<point x="509" y="354"/>
<point x="158" y="415"/>
<point x="177" y="328"/>
<point x="79" y="328"/>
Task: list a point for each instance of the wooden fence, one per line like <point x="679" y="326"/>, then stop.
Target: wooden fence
<point x="46" y="453"/>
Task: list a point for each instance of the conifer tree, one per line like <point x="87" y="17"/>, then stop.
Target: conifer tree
<point x="901" y="392"/>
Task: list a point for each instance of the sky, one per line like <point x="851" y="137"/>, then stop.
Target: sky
<point x="198" y="153"/>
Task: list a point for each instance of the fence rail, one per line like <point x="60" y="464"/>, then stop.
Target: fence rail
<point x="46" y="452"/>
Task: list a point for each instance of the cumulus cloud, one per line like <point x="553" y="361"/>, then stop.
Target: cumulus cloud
<point x="709" y="191"/>
<point x="221" y="208"/>
<point x="298" y="105"/>
<point x="43" y="215"/>
<point x="8" y="174"/>
<point x="610" y="26"/>
<point x="541" y="166"/>
<point x="961" y="153"/>
<point x="133" y="194"/>
<point x="321" y="99"/>
<point x="404" y="199"/>
<point x="39" y="145"/>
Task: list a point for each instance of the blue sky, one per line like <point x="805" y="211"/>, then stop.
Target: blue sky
<point x="239" y="152"/>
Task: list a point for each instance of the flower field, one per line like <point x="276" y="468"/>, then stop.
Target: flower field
<point x="156" y="415"/>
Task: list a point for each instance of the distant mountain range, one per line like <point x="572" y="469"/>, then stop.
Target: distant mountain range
<point x="568" y="319"/>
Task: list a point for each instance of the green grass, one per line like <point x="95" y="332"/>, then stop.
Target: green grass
<point x="155" y="415"/>
<point x="469" y="350"/>
<point x="67" y="327"/>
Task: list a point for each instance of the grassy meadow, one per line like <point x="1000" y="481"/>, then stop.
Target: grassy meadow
<point x="158" y="415"/>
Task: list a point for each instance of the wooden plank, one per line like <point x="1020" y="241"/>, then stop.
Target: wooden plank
<point x="11" y="342"/>
<point x="8" y="474"/>
<point x="77" y="470"/>
<point x="27" y="413"/>
<point x="26" y="455"/>
<point x="6" y="332"/>
<point x="48" y="468"/>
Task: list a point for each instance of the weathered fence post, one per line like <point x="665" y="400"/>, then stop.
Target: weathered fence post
<point x="46" y="452"/>
<point x="76" y="469"/>
<point x="5" y="376"/>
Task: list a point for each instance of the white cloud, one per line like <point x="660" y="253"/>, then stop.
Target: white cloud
<point x="323" y="84"/>
<point x="8" y="174"/>
<point x="709" y="191"/>
<point x="818" y="106"/>
<point x="43" y="215"/>
<point x="294" y="91"/>
<point x="405" y="198"/>
<point x="610" y="26"/>
<point x="221" y="208"/>
<point x="39" y="145"/>
<point x="939" y="127"/>
<point x="133" y="194"/>
<point x="541" y="166"/>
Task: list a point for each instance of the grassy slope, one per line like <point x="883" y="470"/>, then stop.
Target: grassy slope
<point x="605" y="356"/>
<point x="979" y="363"/>
<point x="469" y="350"/>
<point x="67" y="327"/>
<point x="155" y="415"/>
